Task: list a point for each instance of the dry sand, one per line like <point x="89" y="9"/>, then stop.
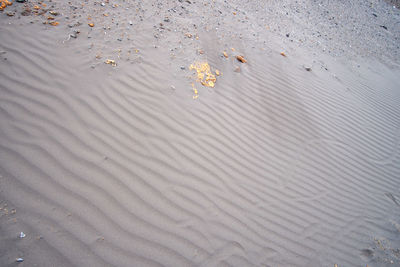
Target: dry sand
<point x="127" y="165"/>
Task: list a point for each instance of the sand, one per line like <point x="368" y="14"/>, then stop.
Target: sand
<point x="291" y="159"/>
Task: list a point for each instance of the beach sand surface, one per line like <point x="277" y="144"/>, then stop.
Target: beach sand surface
<point x="291" y="159"/>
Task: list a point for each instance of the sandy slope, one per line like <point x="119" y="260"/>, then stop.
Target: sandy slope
<point x="275" y="166"/>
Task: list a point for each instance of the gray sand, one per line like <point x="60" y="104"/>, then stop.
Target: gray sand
<point x="291" y="159"/>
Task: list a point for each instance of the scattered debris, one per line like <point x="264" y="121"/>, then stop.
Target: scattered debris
<point x="204" y="74"/>
<point x="196" y="93"/>
<point x="4" y="4"/>
<point x="217" y="72"/>
<point x="283" y="54"/>
<point x="74" y="34"/>
<point x="241" y="59"/>
<point x="22" y="235"/>
<point x="383" y="26"/>
<point x="19" y="260"/>
<point x="26" y="12"/>
<point x="10" y="14"/>
<point x="91" y="24"/>
<point x="111" y="62"/>
<point x="54" y="23"/>
<point x="307" y="67"/>
<point x="54" y="13"/>
<point x="225" y="54"/>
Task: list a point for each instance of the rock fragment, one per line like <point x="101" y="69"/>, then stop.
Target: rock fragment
<point x="241" y="59"/>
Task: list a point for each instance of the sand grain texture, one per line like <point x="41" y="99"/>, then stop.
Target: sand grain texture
<point x="107" y="165"/>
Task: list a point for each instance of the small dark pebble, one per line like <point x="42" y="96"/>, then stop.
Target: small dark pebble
<point x="287" y="35"/>
<point x="383" y="26"/>
<point x="21" y="1"/>
<point x="375" y="15"/>
<point x="182" y="67"/>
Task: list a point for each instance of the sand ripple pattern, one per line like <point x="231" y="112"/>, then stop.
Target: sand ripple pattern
<point x="265" y="170"/>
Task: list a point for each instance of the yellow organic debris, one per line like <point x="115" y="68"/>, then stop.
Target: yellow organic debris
<point x="283" y="54"/>
<point x="196" y="94"/>
<point x="225" y="54"/>
<point x="111" y="62"/>
<point x="217" y="72"/>
<point x="54" y="23"/>
<point x="204" y="74"/>
<point x="4" y="4"/>
<point x="91" y="24"/>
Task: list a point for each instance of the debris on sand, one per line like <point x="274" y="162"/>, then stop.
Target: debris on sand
<point x="204" y="74"/>
<point x="283" y="54"/>
<point x="241" y="59"/>
<point x="111" y="62"/>
<point x="196" y="94"/>
<point x="4" y="4"/>
<point x="225" y="54"/>
<point x="91" y="24"/>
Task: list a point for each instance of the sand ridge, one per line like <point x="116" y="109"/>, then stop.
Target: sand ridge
<point x="106" y="165"/>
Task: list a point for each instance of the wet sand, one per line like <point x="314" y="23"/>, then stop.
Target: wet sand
<point x="291" y="159"/>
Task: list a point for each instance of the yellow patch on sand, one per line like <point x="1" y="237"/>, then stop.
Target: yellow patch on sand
<point x="204" y="74"/>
